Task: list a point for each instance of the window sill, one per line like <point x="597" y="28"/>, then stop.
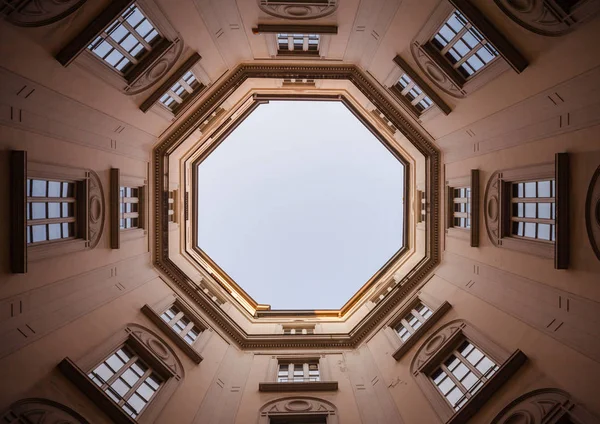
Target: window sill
<point x="414" y="338"/>
<point x="508" y="368"/>
<point x="93" y="392"/>
<point x="175" y="338"/>
<point x="310" y="386"/>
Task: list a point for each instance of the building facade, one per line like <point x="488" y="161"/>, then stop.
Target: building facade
<point x="110" y="312"/>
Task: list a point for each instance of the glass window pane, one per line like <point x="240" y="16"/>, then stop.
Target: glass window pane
<point x="485" y="365"/>
<point x="469" y="380"/>
<point x="145" y="391"/>
<point x="103" y="372"/>
<point x="120" y="387"/>
<point x="54" y="210"/>
<point x="136" y="402"/>
<point x="474" y="356"/>
<point x="530" y="189"/>
<point x="38" y="188"/>
<point x="38" y="210"/>
<point x="530" y="229"/>
<point x="113" y="57"/>
<point x="545" y="211"/>
<point x="544" y="189"/>
<point x="544" y="231"/>
<point x="130" y="377"/>
<point x="153" y="381"/>
<point x="53" y="189"/>
<point x="115" y="363"/>
<point x="530" y="210"/>
<point x="119" y="33"/>
<point x="454" y="395"/>
<point x="54" y="231"/>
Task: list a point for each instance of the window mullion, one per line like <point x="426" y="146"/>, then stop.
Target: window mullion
<point x="407" y="326"/>
<point x="121" y="50"/>
<point x="138" y="37"/>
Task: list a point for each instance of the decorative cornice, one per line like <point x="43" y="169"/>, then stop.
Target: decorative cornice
<point x="204" y="109"/>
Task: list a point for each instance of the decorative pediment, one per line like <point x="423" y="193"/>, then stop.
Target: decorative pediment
<point x="41" y="411"/>
<point x="298" y="405"/>
<point x="158" y="347"/>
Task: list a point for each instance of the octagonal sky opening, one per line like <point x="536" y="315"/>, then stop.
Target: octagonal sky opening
<point x="301" y="204"/>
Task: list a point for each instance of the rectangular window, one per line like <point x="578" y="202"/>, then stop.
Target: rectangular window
<point x="298" y="372"/>
<point x="462" y="374"/>
<point x="180" y="91"/>
<point x="461" y="207"/>
<point x="292" y="331"/>
<point x="181" y="324"/>
<point x="126" y="40"/>
<point x="533" y="211"/>
<point x="298" y="43"/>
<point x="172" y="215"/>
<point x="463" y="45"/>
<point x="51" y="210"/>
<point x="127" y="380"/>
<point x="129" y="207"/>
<point x="413" y="320"/>
<point x="413" y="93"/>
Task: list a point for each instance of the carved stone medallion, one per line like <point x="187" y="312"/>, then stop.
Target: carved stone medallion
<point x="35" y="13"/>
<point x="157" y="347"/>
<point x="491" y="204"/>
<point x="543" y="406"/>
<point x="157" y="70"/>
<point x="96" y="209"/>
<point x="548" y="18"/>
<point x="592" y="212"/>
<point x="297" y="10"/>
<point x="434" y="73"/>
<point x="41" y="411"/>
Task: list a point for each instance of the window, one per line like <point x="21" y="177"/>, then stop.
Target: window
<point x="172" y="204"/>
<point x="458" y="369"/>
<point x="298" y="372"/>
<point x="413" y="93"/>
<point x="130" y="45"/>
<point x="127" y="380"/>
<point x="297" y="330"/>
<point x="129" y="207"/>
<point x="126" y="40"/>
<point x="462" y="207"/>
<point x="413" y="320"/>
<point x="298" y="44"/>
<point x="422" y="205"/>
<point x="181" y="324"/>
<point x="527" y="209"/>
<point x="462" y="374"/>
<point x="182" y="89"/>
<point x="463" y="45"/>
<point x="51" y="210"/>
<point x="460" y="50"/>
<point x="129" y="377"/>
<point x="533" y="210"/>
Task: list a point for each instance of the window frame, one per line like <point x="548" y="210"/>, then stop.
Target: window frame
<point x="272" y="32"/>
<point x="447" y="78"/>
<point x="403" y="68"/>
<point x="272" y="383"/>
<point x="140" y="76"/>
<point x="154" y="313"/>
<point x="118" y="234"/>
<point x="153" y="350"/>
<point x="190" y="65"/>
<point x="438" y="346"/>
<point x="90" y="210"/>
<point x="497" y="212"/>
<point x="438" y="311"/>
<point x="466" y="233"/>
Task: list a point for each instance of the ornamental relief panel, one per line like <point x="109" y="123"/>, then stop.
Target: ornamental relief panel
<point x="157" y="70"/>
<point x="297" y="10"/>
<point x="592" y="212"/>
<point x="547" y="17"/>
<point x="432" y="345"/>
<point x="543" y="406"/>
<point x="491" y="205"/>
<point x="41" y="411"/>
<point x="35" y="13"/>
<point x="96" y="209"/>
<point x="298" y="406"/>
<point x="157" y="347"/>
<point x="434" y="73"/>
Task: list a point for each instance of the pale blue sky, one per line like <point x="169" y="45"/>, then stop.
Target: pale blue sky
<point x="300" y="205"/>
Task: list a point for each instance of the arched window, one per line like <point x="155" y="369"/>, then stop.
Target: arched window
<point x="458" y="369"/>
